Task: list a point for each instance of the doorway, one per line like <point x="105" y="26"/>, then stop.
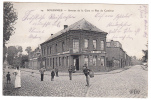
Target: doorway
<point x="76" y="62"/>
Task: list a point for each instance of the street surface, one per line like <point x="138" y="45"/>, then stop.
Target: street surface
<point x="131" y="82"/>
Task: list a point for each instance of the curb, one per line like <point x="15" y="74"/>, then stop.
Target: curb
<point x="66" y="74"/>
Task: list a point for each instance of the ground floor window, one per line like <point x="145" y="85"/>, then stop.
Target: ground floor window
<point x="86" y="60"/>
<point x="116" y="63"/>
<point x="47" y="61"/>
<point x="102" y="61"/>
<point x="59" y="61"/>
<point x="94" y="60"/>
<point x="56" y="62"/>
<point x="62" y="61"/>
<point x="67" y="60"/>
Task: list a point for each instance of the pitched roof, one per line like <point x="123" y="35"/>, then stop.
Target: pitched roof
<point x="79" y="25"/>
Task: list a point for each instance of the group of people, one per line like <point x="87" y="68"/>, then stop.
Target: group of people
<point x="87" y="72"/>
<point x="54" y="72"/>
<point x="17" y="74"/>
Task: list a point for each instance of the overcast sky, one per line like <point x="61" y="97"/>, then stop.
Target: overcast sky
<point x="127" y="24"/>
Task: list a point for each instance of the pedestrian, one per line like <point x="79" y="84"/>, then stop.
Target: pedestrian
<point x="86" y="72"/>
<point x="17" y="74"/>
<point x="42" y="70"/>
<point x="8" y="78"/>
<point x="52" y="75"/>
<point x="70" y="72"/>
<point x="56" y="70"/>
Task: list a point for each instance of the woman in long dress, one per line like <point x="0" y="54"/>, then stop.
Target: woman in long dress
<point x="17" y="78"/>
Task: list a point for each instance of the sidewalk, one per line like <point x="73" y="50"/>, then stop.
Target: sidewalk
<point x="76" y="73"/>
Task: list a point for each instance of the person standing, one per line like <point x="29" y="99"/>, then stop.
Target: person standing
<point x="86" y="72"/>
<point x="42" y="70"/>
<point x="70" y="72"/>
<point x="56" y="70"/>
<point x="8" y="78"/>
<point x="17" y="78"/>
<point x="52" y="75"/>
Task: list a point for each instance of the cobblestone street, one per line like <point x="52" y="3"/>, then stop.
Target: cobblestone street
<point x="118" y="83"/>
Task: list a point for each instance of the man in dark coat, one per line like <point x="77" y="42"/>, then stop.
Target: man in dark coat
<point x="52" y="75"/>
<point x="42" y="70"/>
<point x="86" y="73"/>
<point x="8" y="78"/>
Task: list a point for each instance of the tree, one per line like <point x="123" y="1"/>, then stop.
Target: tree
<point x="14" y="55"/>
<point x="24" y="59"/>
<point x="145" y="57"/>
<point x="28" y="50"/>
<point x="12" y="52"/>
<point x="9" y="18"/>
<point x="19" y="50"/>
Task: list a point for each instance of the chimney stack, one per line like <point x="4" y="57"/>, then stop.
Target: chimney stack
<point x="65" y="26"/>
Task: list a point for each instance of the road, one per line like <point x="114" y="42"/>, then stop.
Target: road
<point x="130" y="83"/>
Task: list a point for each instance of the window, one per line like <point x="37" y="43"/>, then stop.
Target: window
<point x="47" y="61"/>
<point x="94" y="44"/>
<point x="94" y="60"/>
<point x="67" y="61"/>
<point x="102" y="45"/>
<point x="59" y="61"/>
<point x="63" y="46"/>
<point x="86" y="43"/>
<point x="50" y="61"/>
<point x="44" y="51"/>
<point x="102" y="61"/>
<point x="86" y="60"/>
<point x="56" y="48"/>
<point x="56" y="62"/>
<point x="62" y="61"/>
<point x="67" y="45"/>
<point x="75" y="45"/>
<point x="49" y="50"/>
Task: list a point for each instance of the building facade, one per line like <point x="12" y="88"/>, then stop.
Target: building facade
<point x="79" y="44"/>
<point x="35" y="59"/>
<point x="116" y="56"/>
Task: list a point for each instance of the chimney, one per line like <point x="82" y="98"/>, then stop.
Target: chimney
<point x="65" y="26"/>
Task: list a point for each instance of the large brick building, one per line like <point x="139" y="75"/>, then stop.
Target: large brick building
<point x="78" y="44"/>
<point x="116" y="56"/>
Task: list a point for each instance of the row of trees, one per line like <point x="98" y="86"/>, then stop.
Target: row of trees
<point x="15" y="56"/>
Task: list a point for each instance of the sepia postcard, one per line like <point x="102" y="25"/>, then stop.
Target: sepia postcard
<point x="75" y="50"/>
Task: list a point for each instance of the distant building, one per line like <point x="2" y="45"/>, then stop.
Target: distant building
<point x="116" y="56"/>
<point x="136" y="61"/>
<point x="35" y="59"/>
<point x="78" y="44"/>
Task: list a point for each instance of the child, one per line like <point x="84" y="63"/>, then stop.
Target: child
<point x="8" y="78"/>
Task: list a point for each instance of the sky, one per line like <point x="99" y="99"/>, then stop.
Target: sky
<point x="127" y="24"/>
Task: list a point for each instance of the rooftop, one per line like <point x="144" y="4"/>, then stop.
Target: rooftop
<point x="79" y="25"/>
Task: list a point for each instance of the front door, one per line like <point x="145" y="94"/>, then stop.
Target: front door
<point x="76" y="62"/>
